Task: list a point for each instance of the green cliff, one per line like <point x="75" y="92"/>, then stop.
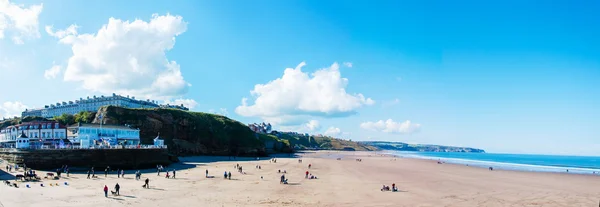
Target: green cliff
<point x="310" y="142"/>
<point x="193" y="133"/>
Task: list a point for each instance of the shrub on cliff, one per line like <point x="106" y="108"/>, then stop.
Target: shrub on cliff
<point x="189" y="133"/>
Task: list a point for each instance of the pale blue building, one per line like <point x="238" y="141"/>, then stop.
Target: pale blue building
<point x="92" y="135"/>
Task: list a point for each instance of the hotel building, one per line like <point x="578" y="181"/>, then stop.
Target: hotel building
<point x="38" y="132"/>
<point x="91" y="135"/>
<point x="93" y="104"/>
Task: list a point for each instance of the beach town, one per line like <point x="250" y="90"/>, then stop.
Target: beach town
<point x="306" y="178"/>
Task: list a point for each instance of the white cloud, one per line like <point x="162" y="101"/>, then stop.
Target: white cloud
<point x="127" y="57"/>
<point x="390" y="126"/>
<point x="298" y="95"/>
<point x="190" y="103"/>
<point x="313" y="125"/>
<point x="52" y="72"/>
<point x="19" y="20"/>
<point x="391" y="103"/>
<point x="11" y="109"/>
<point x="333" y="131"/>
<point x="71" y="30"/>
<point x="348" y="64"/>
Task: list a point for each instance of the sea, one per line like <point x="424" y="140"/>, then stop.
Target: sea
<point x="518" y="162"/>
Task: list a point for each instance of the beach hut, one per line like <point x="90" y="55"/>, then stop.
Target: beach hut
<point x="22" y="141"/>
<point x="158" y="142"/>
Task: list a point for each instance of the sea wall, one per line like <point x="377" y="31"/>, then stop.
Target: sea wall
<point x="48" y="159"/>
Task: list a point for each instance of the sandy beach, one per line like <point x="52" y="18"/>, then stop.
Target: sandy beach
<point x="344" y="182"/>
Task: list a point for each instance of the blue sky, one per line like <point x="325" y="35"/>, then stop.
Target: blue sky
<point x="505" y="76"/>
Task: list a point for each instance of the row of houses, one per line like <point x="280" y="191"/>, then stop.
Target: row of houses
<point x="51" y="134"/>
<point x="261" y="127"/>
<point x="93" y="104"/>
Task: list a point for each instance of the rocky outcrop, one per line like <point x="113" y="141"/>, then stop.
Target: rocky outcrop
<point x="188" y="133"/>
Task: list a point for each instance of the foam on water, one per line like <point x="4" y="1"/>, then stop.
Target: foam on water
<point x="521" y="162"/>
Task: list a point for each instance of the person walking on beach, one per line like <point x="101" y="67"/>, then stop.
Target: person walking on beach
<point x="229" y="175"/>
<point x="88" y="177"/>
<point x="123" y="173"/>
<point x="117" y="187"/>
<point x="118" y="173"/>
<point x="146" y="183"/>
<point x="106" y="172"/>
<point x="173" y="174"/>
<point x="206" y="172"/>
<point x="105" y="191"/>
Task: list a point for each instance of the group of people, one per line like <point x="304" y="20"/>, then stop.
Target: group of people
<point x="227" y="175"/>
<point x="239" y="168"/>
<point x="159" y="168"/>
<point x="387" y="188"/>
<point x="309" y="175"/>
<point x="169" y="175"/>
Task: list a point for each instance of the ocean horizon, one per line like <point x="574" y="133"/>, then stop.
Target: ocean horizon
<point x="516" y="162"/>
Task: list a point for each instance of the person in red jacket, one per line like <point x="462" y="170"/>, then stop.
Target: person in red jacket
<point x="105" y="191"/>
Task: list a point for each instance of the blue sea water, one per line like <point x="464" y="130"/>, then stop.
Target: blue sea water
<point x="521" y="162"/>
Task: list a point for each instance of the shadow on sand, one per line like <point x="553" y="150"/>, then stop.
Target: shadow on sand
<point x="6" y="176"/>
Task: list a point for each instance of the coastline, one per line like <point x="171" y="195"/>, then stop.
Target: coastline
<point x="344" y="182"/>
<point x="500" y="165"/>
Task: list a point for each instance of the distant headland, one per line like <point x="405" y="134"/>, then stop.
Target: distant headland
<point x="399" y="146"/>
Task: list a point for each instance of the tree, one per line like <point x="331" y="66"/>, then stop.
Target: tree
<point x="65" y="119"/>
<point x="85" y="117"/>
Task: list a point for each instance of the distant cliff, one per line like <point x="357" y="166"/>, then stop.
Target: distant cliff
<point x="420" y="147"/>
<point x="311" y="142"/>
<point x="193" y="133"/>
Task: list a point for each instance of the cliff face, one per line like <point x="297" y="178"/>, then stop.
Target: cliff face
<point x="303" y="142"/>
<point x="189" y="133"/>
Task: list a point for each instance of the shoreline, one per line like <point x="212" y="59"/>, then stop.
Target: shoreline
<point x="353" y="180"/>
<point x="498" y="165"/>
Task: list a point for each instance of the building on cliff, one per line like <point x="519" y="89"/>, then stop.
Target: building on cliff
<point x="38" y="132"/>
<point x="93" y="104"/>
<point x="93" y="135"/>
<point x="260" y="127"/>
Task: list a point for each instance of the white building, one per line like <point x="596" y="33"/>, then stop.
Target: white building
<point x="39" y="133"/>
<point x="106" y="135"/>
<point x="93" y="104"/>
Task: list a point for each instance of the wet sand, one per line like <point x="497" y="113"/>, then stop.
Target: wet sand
<point x="344" y="182"/>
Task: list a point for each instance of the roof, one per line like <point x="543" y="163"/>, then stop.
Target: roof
<point x="22" y="135"/>
<point x="108" y="126"/>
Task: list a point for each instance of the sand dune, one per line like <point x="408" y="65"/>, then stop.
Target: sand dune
<point x="342" y="182"/>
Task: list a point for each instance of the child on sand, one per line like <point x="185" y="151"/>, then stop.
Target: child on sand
<point x="105" y="191"/>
